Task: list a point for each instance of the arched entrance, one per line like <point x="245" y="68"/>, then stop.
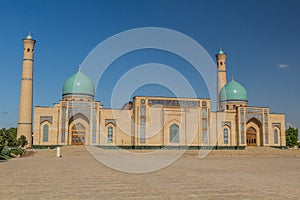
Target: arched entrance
<point x="251" y="137"/>
<point x="78" y="134"/>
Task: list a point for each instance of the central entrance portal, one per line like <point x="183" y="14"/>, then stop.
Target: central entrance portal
<point x="78" y="138"/>
<point x="78" y="134"/>
<point x="251" y="137"/>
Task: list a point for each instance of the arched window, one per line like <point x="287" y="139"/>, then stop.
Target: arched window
<point x="45" y="132"/>
<point x="110" y="132"/>
<point x="225" y="135"/>
<point x="174" y="133"/>
<point x="276" y="136"/>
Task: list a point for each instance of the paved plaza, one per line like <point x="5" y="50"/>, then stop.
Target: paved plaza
<point x="245" y="174"/>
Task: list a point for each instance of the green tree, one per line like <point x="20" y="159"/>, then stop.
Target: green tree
<point x="2" y="143"/>
<point x="291" y="136"/>
<point x="9" y="143"/>
<point x="22" y="141"/>
<point x="9" y="136"/>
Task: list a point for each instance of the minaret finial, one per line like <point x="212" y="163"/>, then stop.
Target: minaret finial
<point x="221" y="51"/>
<point x="29" y="36"/>
<point x="79" y="68"/>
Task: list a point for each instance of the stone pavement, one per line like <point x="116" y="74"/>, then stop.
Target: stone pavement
<point x="248" y="174"/>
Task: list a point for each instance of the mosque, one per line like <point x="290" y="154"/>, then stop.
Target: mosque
<point x="146" y="121"/>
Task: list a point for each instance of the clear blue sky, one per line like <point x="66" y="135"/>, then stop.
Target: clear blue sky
<point x="261" y="39"/>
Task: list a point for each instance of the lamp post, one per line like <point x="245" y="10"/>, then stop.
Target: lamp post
<point x="4" y="118"/>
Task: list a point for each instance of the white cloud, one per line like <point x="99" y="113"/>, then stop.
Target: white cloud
<point x="282" y="66"/>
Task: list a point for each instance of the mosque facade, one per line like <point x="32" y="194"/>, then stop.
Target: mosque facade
<point x="147" y="121"/>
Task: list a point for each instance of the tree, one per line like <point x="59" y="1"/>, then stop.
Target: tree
<point x="9" y="143"/>
<point x="291" y="137"/>
<point x="22" y="141"/>
<point x="9" y="136"/>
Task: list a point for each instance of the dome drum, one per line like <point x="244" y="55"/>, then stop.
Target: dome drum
<point x="78" y="97"/>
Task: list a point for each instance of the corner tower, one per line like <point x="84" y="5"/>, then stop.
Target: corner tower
<point x="221" y="67"/>
<point x="25" y="108"/>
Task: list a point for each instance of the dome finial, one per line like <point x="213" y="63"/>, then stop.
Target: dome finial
<point x="79" y="68"/>
<point x="232" y="77"/>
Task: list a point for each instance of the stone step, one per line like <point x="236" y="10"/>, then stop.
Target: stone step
<point x="81" y="151"/>
<point x="258" y="148"/>
<point x="75" y="150"/>
<point x="65" y="151"/>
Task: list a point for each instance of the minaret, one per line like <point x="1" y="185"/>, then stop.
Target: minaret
<point x="25" y="109"/>
<point x="221" y="66"/>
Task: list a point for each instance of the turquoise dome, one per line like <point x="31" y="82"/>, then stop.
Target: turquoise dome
<point x="233" y="91"/>
<point x="78" y="84"/>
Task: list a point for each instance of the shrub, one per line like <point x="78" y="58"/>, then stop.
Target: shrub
<point x="291" y="137"/>
<point x="22" y="141"/>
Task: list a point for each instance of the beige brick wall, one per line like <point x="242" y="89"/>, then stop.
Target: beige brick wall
<point x="275" y="119"/>
<point x="38" y="125"/>
<point x="126" y="125"/>
<point x="159" y="119"/>
<point x="220" y="121"/>
<point x="122" y="128"/>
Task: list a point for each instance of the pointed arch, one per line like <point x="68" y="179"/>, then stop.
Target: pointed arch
<point x="254" y="136"/>
<point x="256" y="121"/>
<point x="79" y="127"/>
<point x="79" y="116"/>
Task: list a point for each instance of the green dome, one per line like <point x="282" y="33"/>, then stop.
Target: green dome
<point x="78" y="84"/>
<point x="233" y="91"/>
